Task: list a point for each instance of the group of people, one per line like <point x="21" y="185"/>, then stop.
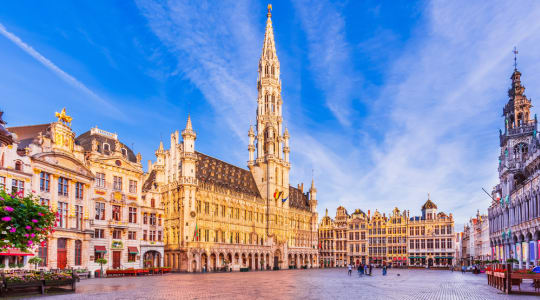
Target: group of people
<point x="365" y="269"/>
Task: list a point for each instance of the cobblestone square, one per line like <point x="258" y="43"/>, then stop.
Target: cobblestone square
<point x="294" y="284"/>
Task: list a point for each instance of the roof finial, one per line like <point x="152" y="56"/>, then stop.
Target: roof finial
<point x="269" y="10"/>
<point x="515" y="57"/>
<point x="428" y="195"/>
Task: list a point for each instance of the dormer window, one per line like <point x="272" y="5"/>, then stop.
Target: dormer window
<point x="124" y="152"/>
<point x="106" y="148"/>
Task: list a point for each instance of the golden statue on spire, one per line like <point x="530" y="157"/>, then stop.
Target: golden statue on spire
<point x="269" y="7"/>
<point x="63" y="117"/>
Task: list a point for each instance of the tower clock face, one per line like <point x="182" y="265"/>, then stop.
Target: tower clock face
<point x="193" y="214"/>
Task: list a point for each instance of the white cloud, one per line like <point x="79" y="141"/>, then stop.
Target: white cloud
<point x="330" y="56"/>
<point x="217" y="48"/>
<point x="445" y="97"/>
<point x="55" y="69"/>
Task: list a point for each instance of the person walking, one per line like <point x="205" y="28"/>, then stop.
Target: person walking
<point x="384" y="270"/>
<point x="350" y="269"/>
<point x="359" y="268"/>
<point x="370" y="269"/>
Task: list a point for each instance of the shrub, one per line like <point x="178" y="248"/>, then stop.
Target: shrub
<point x="24" y="223"/>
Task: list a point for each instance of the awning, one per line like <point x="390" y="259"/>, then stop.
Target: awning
<point x="15" y="252"/>
<point x="133" y="250"/>
<point x="100" y="249"/>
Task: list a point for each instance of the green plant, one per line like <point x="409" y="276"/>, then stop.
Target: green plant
<point x="20" y="265"/>
<point x="23" y="278"/>
<point x="12" y="265"/>
<point x="2" y="266"/>
<point x="512" y="260"/>
<point x="101" y="261"/>
<point x="56" y="276"/>
<point x="35" y="261"/>
<point x="24" y="223"/>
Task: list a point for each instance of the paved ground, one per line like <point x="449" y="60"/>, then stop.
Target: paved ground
<point x="293" y="284"/>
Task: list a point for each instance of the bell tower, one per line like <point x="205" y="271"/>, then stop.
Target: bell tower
<point x="269" y="144"/>
<point x="519" y="135"/>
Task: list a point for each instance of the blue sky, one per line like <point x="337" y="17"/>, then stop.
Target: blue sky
<point x="385" y="100"/>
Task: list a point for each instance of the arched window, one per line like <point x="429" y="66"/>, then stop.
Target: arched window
<point x="124" y="152"/>
<point x="106" y="148"/>
<point x="153" y="202"/>
<point x="273" y="70"/>
<point x="18" y="165"/>
<point x="78" y="253"/>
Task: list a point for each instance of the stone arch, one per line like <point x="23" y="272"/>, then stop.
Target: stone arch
<point x="221" y="259"/>
<point x="213" y="262"/>
<point x="204" y="262"/>
<point x="277" y="258"/>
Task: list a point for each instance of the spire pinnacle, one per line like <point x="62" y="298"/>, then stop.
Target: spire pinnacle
<point x="515" y="58"/>
<point x="269" y="7"/>
<point x="188" y="124"/>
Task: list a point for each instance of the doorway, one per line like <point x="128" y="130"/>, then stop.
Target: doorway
<point x="116" y="259"/>
<point x="61" y="254"/>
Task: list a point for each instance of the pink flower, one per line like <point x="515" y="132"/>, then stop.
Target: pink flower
<point x="29" y="242"/>
<point x="13" y="229"/>
<point x="8" y="208"/>
<point x="32" y="235"/>
<point x="26" y="235"/>
<point x="40" y="214"/>
<point x="6" y="219"/>
<point x="34" y="220"/>
<point x="28" y="227"/>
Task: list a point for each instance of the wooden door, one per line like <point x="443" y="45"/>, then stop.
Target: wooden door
<point x="61" y="254"/>
<point x="116" y="259"/>
<point x="62" y="259"/>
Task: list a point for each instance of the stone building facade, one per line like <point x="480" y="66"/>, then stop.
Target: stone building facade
<point x="95" y="182"/>
<point x="62" y="181"/>
<point x="397" y="240"/>
<point x="127" y="227"/>
<point x="476" y="246"/>
<point x="218" y="215"/>
<point x="431" y="238"/>
<point x="514" y="214"/>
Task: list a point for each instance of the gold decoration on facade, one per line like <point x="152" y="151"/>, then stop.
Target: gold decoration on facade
<point x="63" y="117"/>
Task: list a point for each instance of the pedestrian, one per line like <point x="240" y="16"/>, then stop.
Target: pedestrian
<point x="462" y="269"/>
<point x="384" y="270"/>
<point x="359" y="272"/>
<point x="350" y="269"/>
<point x="370" y="269"/>
<point x="361" y="269"/>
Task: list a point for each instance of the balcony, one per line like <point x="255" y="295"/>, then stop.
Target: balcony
<point x="117" y="224"/>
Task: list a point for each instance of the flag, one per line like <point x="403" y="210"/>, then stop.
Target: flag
<point x="196" y="235"/>
<point x="277" y="194"/>
<point x="285" y="199"/>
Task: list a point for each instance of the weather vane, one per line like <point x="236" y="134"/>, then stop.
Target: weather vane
<point x="515" y="57"/>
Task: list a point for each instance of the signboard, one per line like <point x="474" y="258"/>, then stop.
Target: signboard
<point x="525" y="249"/>
<point x="532" y="252"/>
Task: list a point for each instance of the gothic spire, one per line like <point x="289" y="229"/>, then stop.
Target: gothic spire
<point x="188" y="124"/>
<point x="269" y="45"/>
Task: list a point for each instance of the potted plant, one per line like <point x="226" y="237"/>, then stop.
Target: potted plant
<point x="101" y="261"/>
<point x="20" y="265"/>
<point x="2" y="266"/>
<point x="12" y="265"/>
<point x="35" y="261"/>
